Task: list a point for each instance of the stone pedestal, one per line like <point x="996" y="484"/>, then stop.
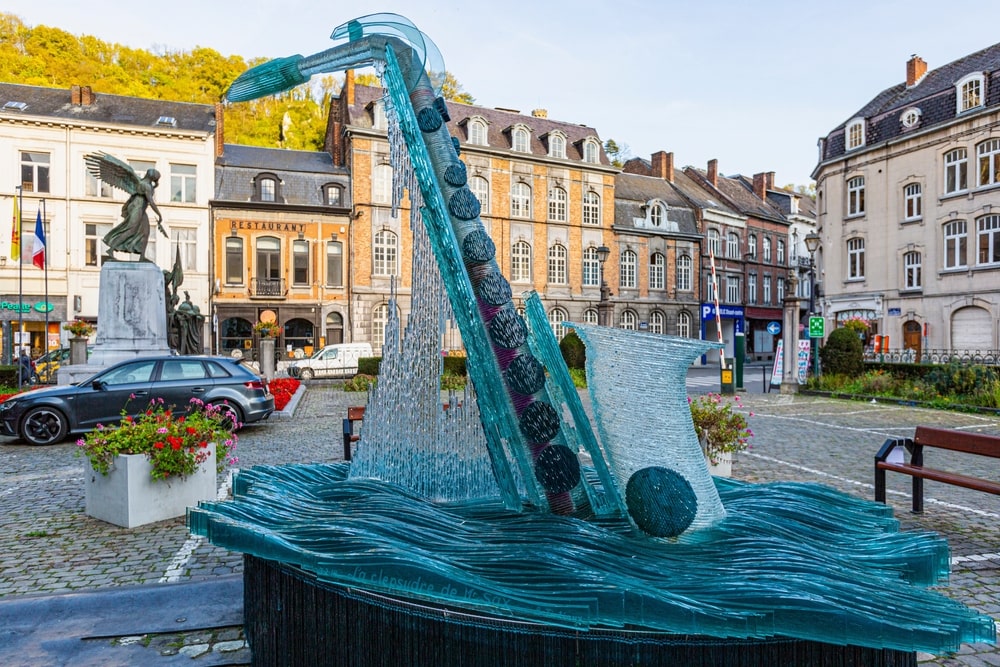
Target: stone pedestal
<point x="267" y="358"/>
<point x="78" y="350"/>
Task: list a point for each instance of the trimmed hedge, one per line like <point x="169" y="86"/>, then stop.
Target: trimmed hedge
<point x="574" y="352"/>
<point x="369" y="365"/>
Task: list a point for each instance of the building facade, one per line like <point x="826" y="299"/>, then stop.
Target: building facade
<point x="908" y="206"/>
<point x="44" y="135"/>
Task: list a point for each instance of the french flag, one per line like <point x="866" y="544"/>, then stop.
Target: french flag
<point x="38" y="251"/>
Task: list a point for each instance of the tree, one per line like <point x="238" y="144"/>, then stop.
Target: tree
<point x="451" y="89"/>
<point x="617" y="153"/>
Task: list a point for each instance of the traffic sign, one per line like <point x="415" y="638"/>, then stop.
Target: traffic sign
<point x="815" y="327"/>
<point x="774" y="328"/>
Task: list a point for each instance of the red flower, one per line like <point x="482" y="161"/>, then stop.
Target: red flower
<point x="175" y="446"/>
<point x="203" y="443"/>
<point x="129" y="419"/>
<point x="158" y="445"/>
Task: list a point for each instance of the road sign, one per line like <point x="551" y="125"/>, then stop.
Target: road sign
<point x="815" y="327"/>
<point x="774" y="328"/>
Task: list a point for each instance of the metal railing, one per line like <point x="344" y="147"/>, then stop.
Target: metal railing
<point x="900" y="356"/>
<point x="273" y="287"/>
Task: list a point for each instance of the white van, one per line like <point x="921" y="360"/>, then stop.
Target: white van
<point x="333" y="361"/>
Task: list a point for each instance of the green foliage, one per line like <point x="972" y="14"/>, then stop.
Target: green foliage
<point x="451" y="382"/>
<point x="451" y="89"/>
<point x="455" y="365"/>
<point x="960" y="379"/>
<point x="843" y="353"/>
<point x="574" y="352"/>
<point x="369" y="365"/>
<point x="719" y="425"/>
<point x="579" y="377"/>
<point x="617" y="153"/>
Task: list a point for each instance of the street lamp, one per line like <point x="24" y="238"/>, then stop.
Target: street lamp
<point x="812" y="241"/>
<point x="604" y="306"/>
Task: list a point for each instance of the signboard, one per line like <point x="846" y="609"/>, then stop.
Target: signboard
<point x="774" y="328"/>
<point x="895" y="311"/>
<point x="802" y="363"/>
<point x="815" y="327"/>
<point x="725" y="311"/>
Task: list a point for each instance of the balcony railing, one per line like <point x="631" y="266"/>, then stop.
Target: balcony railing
<point x="269" y="287"/>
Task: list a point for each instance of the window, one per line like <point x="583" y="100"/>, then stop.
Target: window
<point x="733" y="289"/>
<point x="910" y="118"/>
<point x="480" y="187"/>
<point x="628" y="262"/>
<point x="766" y="243"/>
<point x="520" y="262"/>
<point x="519" y="140"/>
<point x="477" y="132"/>
<point x="520" y="200"/>
<point x="234" y="260"/>
<point x="684" y="324"/>
<point x="629" y="320"/>
<point x="781" y="290"/>
<point x="95" y="187"/>
<point x="591" y="268"/>
<point x="557" y="204"/>
<point x="752" y="245"/>
<point x="912" y="204"/>
<point x="34" y="172"/>
<point x="591" y="208"/>
<point x="380" y="317"/>
<point x="733" y="245"/>
<point x="767" y="290"/>
<point x="334" y="264"/>
<point x="95" y="250"/>
<point x="970" y="92"/>
<point x="714" y="243"/>
<point x="557" y="146"/>
<point x="334" y="195"/>
<point x="955" y="240"/>
<point x="557" y="264"/>
<point x="379" y="119"/>
<point x="752" y="288"/>
<point x="956" y="171"/>
<point x="657" y="270"/>
<point x="183" y="242"/>
<point x="382" y="184"/>
<point x="911" y="271"/>
<point x="781" y="251"/>
<point x="989" y="162"/>
<point x="385" y="253"/>
<point x="591" y="152"/>
<point x="268" y="265"/>
<point x="656" y="215"/>
<point x="855" y="134"/>
<point x="856" y="196"/>
<point x="988" y="232"/>
<point x="855" y="259"/>
<point x="300" y="262"/>
<point x="656" y="322"/>
<point x="183" y="178"/>
<point x="556" y="318"/>
<point x="268" y="189"/>
<point x="590" y="316"/>
<point x="684" y="273"/>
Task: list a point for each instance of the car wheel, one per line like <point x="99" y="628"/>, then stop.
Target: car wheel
<point x="231" y="415"/>
<point x="43" y="426"/>
<point x="307" y="374"/>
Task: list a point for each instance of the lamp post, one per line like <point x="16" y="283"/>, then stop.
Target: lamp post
<point x="604" y="306"/>
<point x="812" y="241"/>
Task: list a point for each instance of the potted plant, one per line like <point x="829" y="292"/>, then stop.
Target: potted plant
<point x="267" y="329"/>
<point x="155" y="465"/>
<point x="721" y="430"/>
<point x="79" y="328"/>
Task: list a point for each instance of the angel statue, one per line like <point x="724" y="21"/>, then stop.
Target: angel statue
<point x="132" y="233"/>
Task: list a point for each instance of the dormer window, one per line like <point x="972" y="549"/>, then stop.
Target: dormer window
<point x="267" y="188"/>
<point x="333" y="195"/>
<point x="970" y="92"/>
<point x="477" y="132"/>
<point x="910" y="118"/>
<point x="167" y="120"/>
<point x="657" y="215"/>
<point x="855" y="134"/>
<point x="519" y="140"/>
<point x="591" y="151"/>
<point x="557" y="145"/>
<point x="15" y="106"/>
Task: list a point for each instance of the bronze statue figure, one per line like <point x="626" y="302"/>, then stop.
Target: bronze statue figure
<point x="132" y="233"/>
<point x="189" y="326"/>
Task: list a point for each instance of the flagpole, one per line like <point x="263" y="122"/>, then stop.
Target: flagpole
<point x="45" y="265"/>
<point x="20" y="280"/>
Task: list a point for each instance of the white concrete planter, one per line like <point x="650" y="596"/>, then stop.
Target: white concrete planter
<point x="127" y="496"/>
<point x="724" y="467"/>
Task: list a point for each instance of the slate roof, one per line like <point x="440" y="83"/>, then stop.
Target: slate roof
<point x="632" y="191"/>
<point x="934" y="95"/>
<point x="106" y="109"/>
<point x="303" y="174"/>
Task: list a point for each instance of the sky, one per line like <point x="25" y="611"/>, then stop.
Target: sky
<point x="753" y="85"/>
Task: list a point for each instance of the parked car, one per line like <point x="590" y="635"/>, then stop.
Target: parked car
<point x="332" y="361"/>
<point x="48" y="415"/>
<point x="47" y="365"/>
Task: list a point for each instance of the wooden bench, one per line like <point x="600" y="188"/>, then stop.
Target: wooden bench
<point x="354" y="414"/>
<point x="940" y="438"/>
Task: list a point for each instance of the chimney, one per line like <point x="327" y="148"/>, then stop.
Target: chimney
<point x="74" y="95"/>
<point x="87" y="96"/>
<point x="220" y="130"/>
<point x="769" y="180"/>
<point x="540" y="113"/>
<point x="760" y="185"/>
<point x="663" y="165"/>
<point x="348" y="91"/>
<point x="713" y="172"/>
<point x="915" y="70"/>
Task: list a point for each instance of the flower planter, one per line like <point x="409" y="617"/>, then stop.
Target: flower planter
<point x="128" y="496"/>
<point x="724" y="467"/>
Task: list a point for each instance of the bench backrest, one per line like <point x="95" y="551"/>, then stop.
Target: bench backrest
<point x="959" y="441"/>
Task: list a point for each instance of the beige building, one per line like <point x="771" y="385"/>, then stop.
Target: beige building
<point x="908" y="205"/>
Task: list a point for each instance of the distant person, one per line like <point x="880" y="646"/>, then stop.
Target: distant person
<point x="25" y="367"/>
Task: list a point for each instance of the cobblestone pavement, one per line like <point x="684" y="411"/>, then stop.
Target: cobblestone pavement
<point x="49" y="546"/>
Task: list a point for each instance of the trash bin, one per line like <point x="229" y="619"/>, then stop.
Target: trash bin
<point x="727" y="377"/>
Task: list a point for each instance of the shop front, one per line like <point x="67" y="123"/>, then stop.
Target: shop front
<point x="763" y="332"/>
<point x="30" y="322"/>
<point x="731" y="322"/>
<point x="299" y="330"/>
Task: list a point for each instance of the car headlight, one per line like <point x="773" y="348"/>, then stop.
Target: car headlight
<point x="8" y="404"/>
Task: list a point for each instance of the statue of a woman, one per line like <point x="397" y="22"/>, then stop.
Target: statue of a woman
<point x="132" y="233"/>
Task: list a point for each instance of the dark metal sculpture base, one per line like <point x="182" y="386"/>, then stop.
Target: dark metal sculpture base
<point x="294" y="619"/>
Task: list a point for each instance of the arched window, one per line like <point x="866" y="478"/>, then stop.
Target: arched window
<point x="334" y="328"/>
<point x="591" y="208"/>
<point x="384" y="248"/>
<point x="657" y="270"/>
<point x="556" y="318"/>
<point x="520" y="200"/>
<point x="912" y="270"/>
<point x="480" y="187"/>
<point x="656" y="322"/>
<point x="766" y="243"/>
<point x="520" y="262"/>
<point x="591" y="268"/>
<point x="520" y="140"/>
<point x="733" y="245"/>
<point x="590" y="316"/>
<point x="781" y="251"/>
<point x="380" y="317"/>
<point x="477" y="132"/>
<point x="656" y="215"/>
<point x="236" y="336"/>
<point x="684" y="273"/>
<point x="714" y="242"/>
<point x="557" y="146"/>
<point x="912" y="196"/>
<point x="267" y="188"/>
<point x="629" y="321"/>
<point x="268" y="269"/>
<point x="591" y="152"/>
<point x="299" y="334"/>
<point x="557" y="204"/>
<point x="557" y="264"/>
<point x="684" y="324"/>
<point x="752" y="245"/>
<point x="627" y="263"/>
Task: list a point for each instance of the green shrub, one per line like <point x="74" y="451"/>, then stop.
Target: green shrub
<point x="369" y="365"/>
<point x="455" y="366"/>
<point x="574" y="352"/>
<point x="360" y="382"/>
<point x="579" y="377"/>
<point x="452" y="382"/>
<point x="843" y="353"/>
<point x="960" y="379"/>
